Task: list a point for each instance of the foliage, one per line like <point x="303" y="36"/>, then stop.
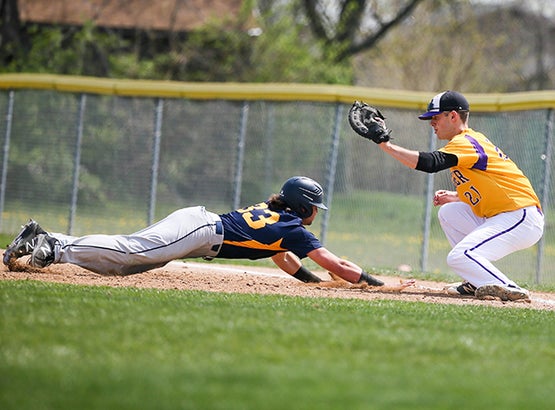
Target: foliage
<point x="395" y="44"/>
<point x="353" y="26"/>
<point x="295" y="54"/>
<point x="222" y="50"/>
<point x="58" y="50"/>
<point x="282" y="50"/>
<point x="474" y="49"/>
<point x="216" y="52"/>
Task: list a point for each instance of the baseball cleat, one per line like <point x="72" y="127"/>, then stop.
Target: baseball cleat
<point x="43" y="254"/>
<point x="24" y="243"/>
<point x="511" y="293"/>
<point x="462" y="289"/>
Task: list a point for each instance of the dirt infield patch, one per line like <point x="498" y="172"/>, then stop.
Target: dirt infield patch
<point x="214" y="277"/>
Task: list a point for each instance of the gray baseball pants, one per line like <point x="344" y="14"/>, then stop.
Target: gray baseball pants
<point x="186" y="233"/>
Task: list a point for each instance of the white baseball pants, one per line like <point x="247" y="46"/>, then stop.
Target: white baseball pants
<point x="478" y="241"/>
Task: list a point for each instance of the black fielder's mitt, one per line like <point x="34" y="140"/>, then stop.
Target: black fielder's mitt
<point x="368" y="122"/>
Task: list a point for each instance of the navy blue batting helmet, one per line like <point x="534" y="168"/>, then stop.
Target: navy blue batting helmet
<point x="300" y="193"/>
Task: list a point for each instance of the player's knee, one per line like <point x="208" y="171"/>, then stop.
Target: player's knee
<point x="442" y="213"/>
<point x="456" y="257"/>
<point x="448" y="211"/>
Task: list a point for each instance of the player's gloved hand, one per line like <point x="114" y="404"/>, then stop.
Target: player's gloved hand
<point x="368" y="122"/>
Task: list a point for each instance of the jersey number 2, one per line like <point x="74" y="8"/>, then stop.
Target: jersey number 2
<point x="473" y="195"/>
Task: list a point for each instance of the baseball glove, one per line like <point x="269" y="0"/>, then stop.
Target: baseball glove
<point x="368" y="122"/>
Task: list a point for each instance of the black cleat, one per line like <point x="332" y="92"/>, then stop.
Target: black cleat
<point x="462" y="289"/>
<point x="24" y="243"/>
<point x="43" y="254"/>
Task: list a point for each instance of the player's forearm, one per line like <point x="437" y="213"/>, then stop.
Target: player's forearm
<point x="405" y="156"/>
<point x="287" y="262"/>
<point x="343" y="268"/>
<point x="347" y="270"/>
<point x="354" y="274"/>
<point x="332" y="263"/>
<point x="292" y="265"/>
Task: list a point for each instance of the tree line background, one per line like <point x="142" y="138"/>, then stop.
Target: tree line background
<point x="425" y="45"/>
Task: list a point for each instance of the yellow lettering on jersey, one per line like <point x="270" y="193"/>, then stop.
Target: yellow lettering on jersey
<point x="259" y="220"/>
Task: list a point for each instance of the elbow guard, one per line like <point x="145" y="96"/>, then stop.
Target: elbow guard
<point x="435" y="161"/>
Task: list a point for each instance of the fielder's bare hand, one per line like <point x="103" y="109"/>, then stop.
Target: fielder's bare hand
<point x="443" y="196"/>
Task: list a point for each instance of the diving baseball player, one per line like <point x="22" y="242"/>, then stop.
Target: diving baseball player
<point x="275" y="228"/>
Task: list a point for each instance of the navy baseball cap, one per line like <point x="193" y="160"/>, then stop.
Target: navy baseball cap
<point x="445" y="101"/>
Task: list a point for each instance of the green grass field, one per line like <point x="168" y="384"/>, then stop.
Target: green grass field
<point x="79" y="347"/>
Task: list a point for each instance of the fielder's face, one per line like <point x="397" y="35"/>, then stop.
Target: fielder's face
<point x="447" y="124"/>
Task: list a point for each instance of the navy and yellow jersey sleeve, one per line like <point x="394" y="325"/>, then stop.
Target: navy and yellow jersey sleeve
<point x="486" y="178"/>
<point x="257" y="232"/>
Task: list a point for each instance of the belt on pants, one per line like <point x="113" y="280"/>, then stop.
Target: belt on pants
<point x="219" y="231"/>
<point x="219" y="228"/>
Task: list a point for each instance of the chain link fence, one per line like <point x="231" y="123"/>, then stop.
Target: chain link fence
<point x="81" y="162"/>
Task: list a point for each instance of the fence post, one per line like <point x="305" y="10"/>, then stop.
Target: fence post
<point x="427" y="212"/>
<point x="547" y="157"/>
<point x="332" y="166"/>
<point x="6" y="155"/>
<point x="240" y="155"/>
<point x="269" y="147"/>
<point x="76" y="164"/>
<point x="157" y="137"/>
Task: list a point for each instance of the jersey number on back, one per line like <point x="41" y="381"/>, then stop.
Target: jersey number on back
<point x="258" y="216"/>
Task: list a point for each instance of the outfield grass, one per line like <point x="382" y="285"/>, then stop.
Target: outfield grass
<point x="79" y="347"/>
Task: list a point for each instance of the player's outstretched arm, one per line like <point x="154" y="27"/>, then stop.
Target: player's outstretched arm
<point x="405" y="156"/>
<point x="291" y="264"/>
<point x="369" y="123"/>
<point x="345" y="269"/>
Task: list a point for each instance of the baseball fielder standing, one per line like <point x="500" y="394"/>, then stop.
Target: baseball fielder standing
<point x="494" y="210"/>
